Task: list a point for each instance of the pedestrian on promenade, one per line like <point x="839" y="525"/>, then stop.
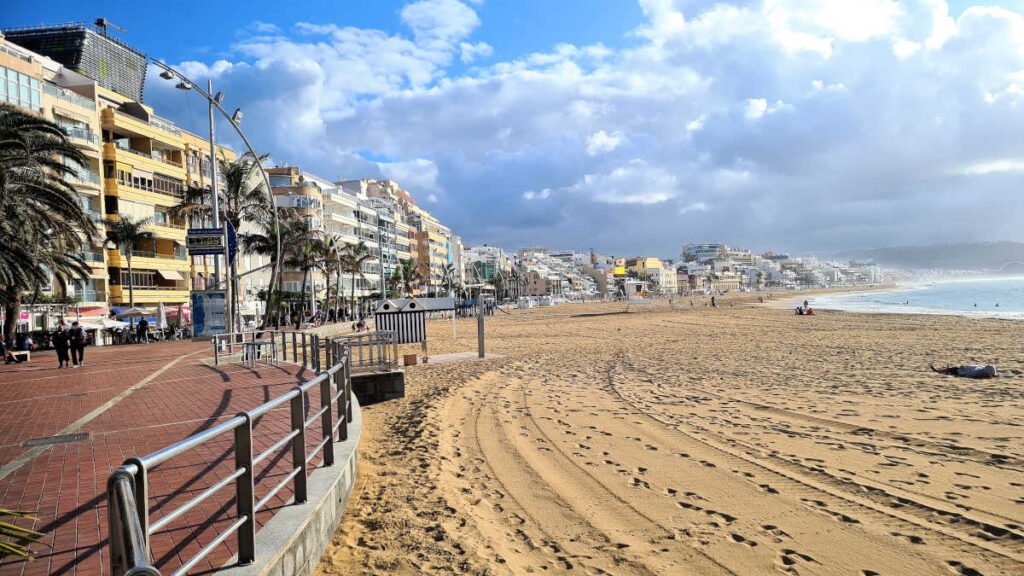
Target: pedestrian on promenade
<point x="77" y="341"/>
<point x="61" y="342"/>
<point x="142" y="331"/>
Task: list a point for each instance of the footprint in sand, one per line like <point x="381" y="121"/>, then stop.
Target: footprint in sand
<point x="789" y="558"/>
<point x="740" y="539"/>
<point x="913" y="539"/>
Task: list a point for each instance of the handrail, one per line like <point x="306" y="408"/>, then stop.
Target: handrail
<point x="130" y="523"/>
<point x="371" y="350"/>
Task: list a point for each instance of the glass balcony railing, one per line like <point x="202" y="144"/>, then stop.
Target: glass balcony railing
<point x="148" y="254"/>
<point x="77" y="133"/>
<point x="91" y="295"/>
<point x="150" y="155"/>
<point x="86" y="177"/>
<point x="91" y="256"/>
<point x="68" y="96"/>
<point x="163" y="124"/>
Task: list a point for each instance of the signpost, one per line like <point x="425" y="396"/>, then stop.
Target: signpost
<point x="212" y="242"/>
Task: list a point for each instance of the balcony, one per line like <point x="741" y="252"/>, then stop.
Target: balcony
<point x="160" y="129"/>
<point x="168" y="230"/>
<point x="86" y="179"/>
<point x="169" y="295"/>
<point x="145" y="260"/>
<point x="91" y="256"/>
<point x="142" y="161"/>
<point x="68" y="96"/>
<point x="91" y="296"/>
<point x="83" y="138"/>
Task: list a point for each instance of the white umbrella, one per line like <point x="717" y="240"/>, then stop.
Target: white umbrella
<point x="137" y="312"/>
<point x="161" y="316"/>
<point x="107" y="323"/>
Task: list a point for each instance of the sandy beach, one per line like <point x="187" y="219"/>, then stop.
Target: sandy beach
<point x="733" y="440"/>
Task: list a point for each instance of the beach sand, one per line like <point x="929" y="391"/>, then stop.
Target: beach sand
<point x="736" y="440"/>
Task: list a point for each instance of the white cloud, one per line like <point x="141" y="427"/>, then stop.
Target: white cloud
<point x="637" y="182"/>
<point x="601" y="142"/>
<point x="992" y="167"/>
<point x="695" y="207"/>
<point x="542" y="195"/>
<point x="858" y="113"/>
<point x="470" y="52"/>
<point x="757" y="108"/>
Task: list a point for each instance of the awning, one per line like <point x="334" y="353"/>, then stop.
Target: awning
<point x="169" y="275"/>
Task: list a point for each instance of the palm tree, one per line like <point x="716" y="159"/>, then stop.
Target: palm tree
<point x="42" y="222"/>
<point x="448" y="277"/>
<point x="263" y="242"/>
<point x="124" y="234"/>
<point x="329" y="262"/>
<point x="353" y="257"/>
<point x="242" y="198"/>
<point x="408" y="275"/>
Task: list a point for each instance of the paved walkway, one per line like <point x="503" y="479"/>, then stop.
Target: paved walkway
<point x="128" y="401"/>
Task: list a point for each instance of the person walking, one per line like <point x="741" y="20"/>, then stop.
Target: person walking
<point x="61" y="342"/>
<point x="77" y="341"/>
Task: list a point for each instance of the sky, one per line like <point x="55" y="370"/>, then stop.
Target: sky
<point x="626" y="127"/>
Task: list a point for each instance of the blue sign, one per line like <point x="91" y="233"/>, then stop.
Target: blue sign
<point x="208" y="317"/>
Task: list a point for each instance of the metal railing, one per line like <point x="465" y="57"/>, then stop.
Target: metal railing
<point x="304" y="347"/>
<point x="130" y="521"/>
<point x="371" y="351"/>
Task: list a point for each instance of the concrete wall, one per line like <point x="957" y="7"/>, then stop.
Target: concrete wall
<point x="296" y="537"/>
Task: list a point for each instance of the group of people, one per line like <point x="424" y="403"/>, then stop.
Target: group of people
<point x="805" y="310"/>
<point x="73" y="341"/>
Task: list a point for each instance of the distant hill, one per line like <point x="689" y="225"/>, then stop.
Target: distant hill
<point x="967" y="256"/>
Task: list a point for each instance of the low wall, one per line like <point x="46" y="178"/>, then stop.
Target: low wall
<point x="296" y="537"/>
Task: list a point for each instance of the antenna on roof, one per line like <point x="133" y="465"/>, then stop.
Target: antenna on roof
<point x="103" y="23"/>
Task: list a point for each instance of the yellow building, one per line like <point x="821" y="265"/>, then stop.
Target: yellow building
<point x="138" y="165"/>
<point x="43" y="86"/>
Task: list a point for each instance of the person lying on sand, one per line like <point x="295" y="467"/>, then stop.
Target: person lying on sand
<point x="968" y="371"/>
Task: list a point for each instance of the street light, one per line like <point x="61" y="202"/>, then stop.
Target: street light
<point x="236" y="118"/>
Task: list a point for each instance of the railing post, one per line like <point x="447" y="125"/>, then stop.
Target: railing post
<point x="348" y="389"/>
<point x="284" y="346"/>
<point x="299" y="443"/>
<point x="327" y="420"/>
<point x="244" y="492"/>
<point x="305" y="363"/>
<point x="295" y="350"/>
<point x="216" y="352"/>
<point x="114" y="528"/>
<point x="316" y="352"/>
<point x="340" y="386"/>
<point x="142" y="502"/>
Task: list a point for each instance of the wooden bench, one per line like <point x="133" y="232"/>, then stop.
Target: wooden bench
<point x="26" y="353"/>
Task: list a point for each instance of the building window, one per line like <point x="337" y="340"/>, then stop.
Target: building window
<point x="20" y="89"/>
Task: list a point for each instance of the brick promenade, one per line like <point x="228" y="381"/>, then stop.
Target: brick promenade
<point x="133" y="400"/>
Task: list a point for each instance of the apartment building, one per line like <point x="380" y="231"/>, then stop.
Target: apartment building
<point x="43" y="86"/>
<point x="138" y="163"/>
<point x="292" y="189"/>
<point x="485" y="262"/>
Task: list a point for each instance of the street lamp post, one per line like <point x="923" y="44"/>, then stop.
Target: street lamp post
<point x="233" y="119"/>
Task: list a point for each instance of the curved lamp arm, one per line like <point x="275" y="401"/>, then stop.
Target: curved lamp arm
<point x="266" y="179"/>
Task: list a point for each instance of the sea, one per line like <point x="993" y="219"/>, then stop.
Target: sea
<point x="1001" y="297"/>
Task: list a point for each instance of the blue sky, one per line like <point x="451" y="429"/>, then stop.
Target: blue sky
<point x="628" y="126"/>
